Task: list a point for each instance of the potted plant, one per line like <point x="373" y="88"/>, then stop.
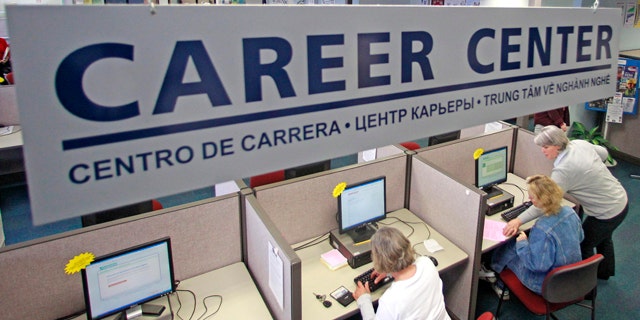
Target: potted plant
<point x="594" y="136"/>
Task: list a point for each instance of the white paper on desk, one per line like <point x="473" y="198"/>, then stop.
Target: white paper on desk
<point x="432" y="245"/>
<point x="6" y="130"/>
<point x="276" y="269"/>
<point x="493" y="230"/>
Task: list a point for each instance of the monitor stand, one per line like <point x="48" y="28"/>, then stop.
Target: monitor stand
<point x="362" y="233"/>
<point x="140" y="310"/>
<point x="492" y="192"/>
<point x="131" y="313"/>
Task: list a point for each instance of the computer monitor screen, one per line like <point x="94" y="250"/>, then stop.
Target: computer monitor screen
<point x="444" y="137"/>
<point x="121" y="280"/>
<point x="361" y="204"/>
<point x="491" y="168"/>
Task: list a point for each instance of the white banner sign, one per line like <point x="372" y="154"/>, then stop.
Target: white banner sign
<point x="121" y="103"/>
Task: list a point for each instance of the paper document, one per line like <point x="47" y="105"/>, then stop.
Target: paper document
<point x="369" y="155"/>
<point x="6" y="130"/>
<point x="432" y="245"/>
<point x="276" y="275"/>
<point x="493" y="230"/>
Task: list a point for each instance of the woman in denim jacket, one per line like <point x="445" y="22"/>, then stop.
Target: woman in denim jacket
<point x="553" y="241"/>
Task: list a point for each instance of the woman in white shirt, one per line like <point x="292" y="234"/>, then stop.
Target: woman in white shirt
<point x="416" y="292"/>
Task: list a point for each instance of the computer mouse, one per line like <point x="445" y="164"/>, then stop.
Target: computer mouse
<point x="326" y="303"/>
<point x="434" y="260"/>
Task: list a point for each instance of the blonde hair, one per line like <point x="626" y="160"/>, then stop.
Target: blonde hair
<point x="391" y="251"/>
<point x="548" y="193"/>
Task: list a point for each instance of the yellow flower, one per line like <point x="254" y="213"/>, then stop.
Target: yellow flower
<point x="337" y="191"/>
<point x="79" y="262"/>
<point x="478" y="153"/>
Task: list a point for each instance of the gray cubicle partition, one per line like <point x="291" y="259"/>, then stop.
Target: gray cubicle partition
<point x="262" y="239"/>
<point x="205" y="235"/>
<point x="483" y="129"/>
<point x="382" y="152"/>
<point x="457" y="158"/>
<point x="454" y="209"/>
<point x="8" y="106"/>
<point x="529" y="159"/>
<point x="304" y="207"/>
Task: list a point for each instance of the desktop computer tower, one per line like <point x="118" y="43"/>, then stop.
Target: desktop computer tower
<point x="499" y="203"/>
<point x="356" y="254"/>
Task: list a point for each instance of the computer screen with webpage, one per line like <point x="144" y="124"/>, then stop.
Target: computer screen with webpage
<point x="491" y="170"/>
<point x="124" y="280"/>
<point x="361" y="204"/>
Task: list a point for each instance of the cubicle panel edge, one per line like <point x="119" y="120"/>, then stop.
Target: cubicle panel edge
<point x="455" y="210"/>
<point x="457" y="158"/>
<point x="259" y="232"/>
<point x="305" y="208"/>
<point x="204" y="235"/>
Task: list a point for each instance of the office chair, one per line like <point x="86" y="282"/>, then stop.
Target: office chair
<point x="266" y="178"/>
<point x="9" y="78"/>
<point x="156" y="205"/>
<point x="486" y="316"/>
<point x="562" y="287"/>
<point x="410" y="145"/>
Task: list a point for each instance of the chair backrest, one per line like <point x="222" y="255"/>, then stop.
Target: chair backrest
<point x="410" y="145"/>
<point x="486" y="316"/>
<point x="266" y="178"/>
<point x="573" y="281"/>
<point x="156" y="205"/>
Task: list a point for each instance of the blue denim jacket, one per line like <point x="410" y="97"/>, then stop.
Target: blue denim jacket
<point x="553" y="241"/>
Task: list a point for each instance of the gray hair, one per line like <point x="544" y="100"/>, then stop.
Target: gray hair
<point x="551" y="136"/>
<point x="391" y="250"/>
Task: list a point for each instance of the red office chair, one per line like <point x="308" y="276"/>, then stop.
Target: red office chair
<point x="410" y="145"/>
<point x="486" y="316"/>
<point x="266" y="178"/>
<point x="9" y="77"/>
<point x="562" y="287"/>
<point x="155" y="205"/>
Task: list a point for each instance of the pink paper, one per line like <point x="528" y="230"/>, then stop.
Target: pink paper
<point x="493" y="230"/>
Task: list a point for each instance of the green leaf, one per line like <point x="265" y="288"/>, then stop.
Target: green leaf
<point x="593" y="135"/>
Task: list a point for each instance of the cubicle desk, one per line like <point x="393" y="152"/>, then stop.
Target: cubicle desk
<point x="318" y="278"/>
<point x="11" y="159"/>
<point x="240" y="296"/>
<point x="11" y="140"/>
<point x="517" y="186"/>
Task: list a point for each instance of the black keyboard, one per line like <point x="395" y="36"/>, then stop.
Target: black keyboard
<point x="366" y="277"/>
<point x="515" y="211"/>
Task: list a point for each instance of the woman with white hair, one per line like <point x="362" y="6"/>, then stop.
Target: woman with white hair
<point x="415" y="293"/>
<point x="579" y="169"/>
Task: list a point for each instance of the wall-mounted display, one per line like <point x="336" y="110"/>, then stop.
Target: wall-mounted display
<point x="626" y="89"/>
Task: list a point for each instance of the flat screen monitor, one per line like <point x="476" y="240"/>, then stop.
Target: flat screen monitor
<point x="445" y="137"/>
<point x="361" y="204"/>
<point x="491" y="170"/>
<point x="123" y="281"/>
